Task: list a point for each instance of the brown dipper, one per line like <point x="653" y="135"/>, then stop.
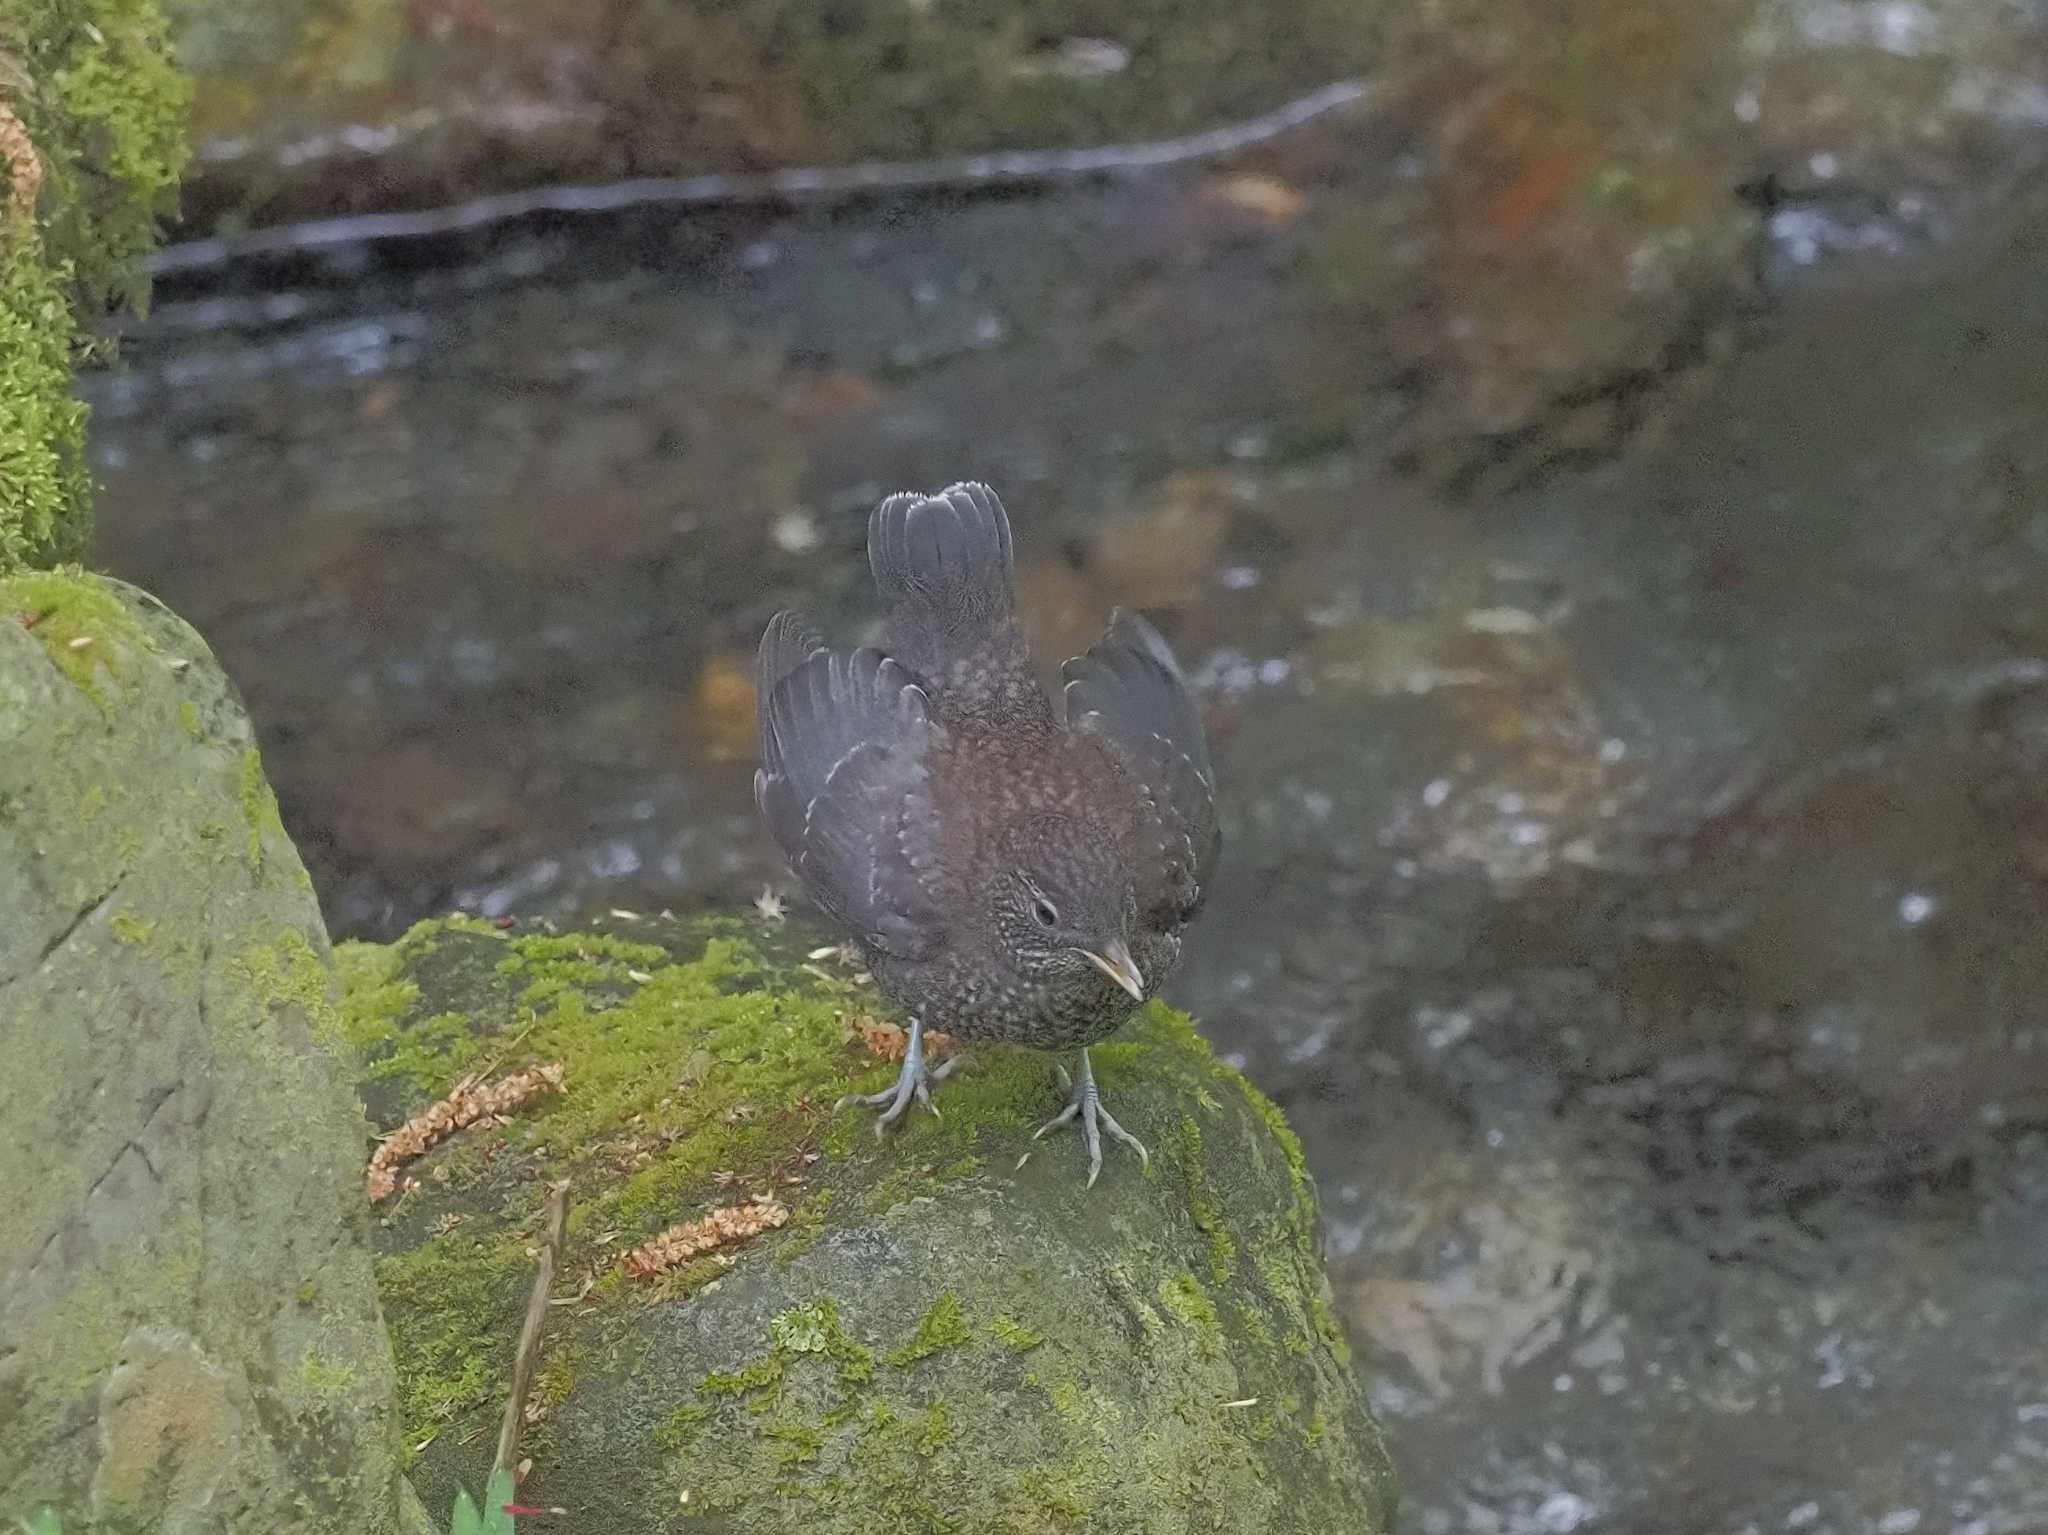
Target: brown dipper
<point x="1008" y="874"/>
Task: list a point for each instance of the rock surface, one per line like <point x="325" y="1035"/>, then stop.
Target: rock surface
<point x="922" y="1336"/>
<point x="189" y="1336"/>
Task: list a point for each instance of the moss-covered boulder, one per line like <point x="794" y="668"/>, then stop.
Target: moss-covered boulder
<point x="837" y="1333"/>
<point x="189" y="1332"/>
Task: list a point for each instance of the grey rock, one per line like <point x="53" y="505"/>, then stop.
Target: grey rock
<point x="933" y="1338"/>
<point x="189" y="1334"/>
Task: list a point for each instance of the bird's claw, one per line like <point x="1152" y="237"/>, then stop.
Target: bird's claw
<point x="913" y="1084"/>
<point x="1085" y="1106"/>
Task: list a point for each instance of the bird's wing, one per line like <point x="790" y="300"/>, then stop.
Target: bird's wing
<point x="1129" y="696"/>
<point x="786" y="644"/>
<point x="844" y="785"/>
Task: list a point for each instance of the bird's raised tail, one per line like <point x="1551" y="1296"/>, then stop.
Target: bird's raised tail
<point x="944" y="567"/>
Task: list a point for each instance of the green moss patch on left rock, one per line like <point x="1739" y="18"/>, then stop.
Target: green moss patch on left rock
<point x="84" y="627"/>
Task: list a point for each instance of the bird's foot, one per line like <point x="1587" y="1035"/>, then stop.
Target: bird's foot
<point x="1084" y="1104"/>
<point x="913" y="1083"/>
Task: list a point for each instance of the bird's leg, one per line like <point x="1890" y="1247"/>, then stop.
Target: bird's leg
<point x="1085" y="1104"/>
<point x="913" y="1082"/>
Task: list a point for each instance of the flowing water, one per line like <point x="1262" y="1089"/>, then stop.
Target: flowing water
<point x="1634" y="879"/>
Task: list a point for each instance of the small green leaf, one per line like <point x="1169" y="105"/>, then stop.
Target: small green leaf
<point x="466" y="1521"/>
<point x="496" y="1496"/>
<point x="45" y="1523"/>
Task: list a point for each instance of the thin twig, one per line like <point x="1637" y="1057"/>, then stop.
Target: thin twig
<point x="536" y="1317"/>
<point x="805" y="184"/>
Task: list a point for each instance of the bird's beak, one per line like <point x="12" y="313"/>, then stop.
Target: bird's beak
<point x="1115" y="962"/>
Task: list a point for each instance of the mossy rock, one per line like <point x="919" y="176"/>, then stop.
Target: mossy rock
<point x="936" y="1340"/>
<point x="92" y="139"/>
<point x="189" y="1332"/>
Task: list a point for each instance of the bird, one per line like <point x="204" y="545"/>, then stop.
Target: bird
<point x="1009" y="870"/>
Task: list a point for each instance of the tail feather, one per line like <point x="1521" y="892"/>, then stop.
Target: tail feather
<point x="944" y="566"/>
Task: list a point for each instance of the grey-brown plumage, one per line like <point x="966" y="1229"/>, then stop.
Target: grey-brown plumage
<point x="1010" y="872"/>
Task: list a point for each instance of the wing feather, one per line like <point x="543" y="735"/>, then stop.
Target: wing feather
<point x="1128" y="695"/>
<point x="846" y="739"/>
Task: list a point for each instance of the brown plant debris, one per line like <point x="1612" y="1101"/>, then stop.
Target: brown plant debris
<point x="721" y="1228"/>
<point x="889" y="1040"/>
<point x="470" y="1103"/>
<point x="24" y="166"/>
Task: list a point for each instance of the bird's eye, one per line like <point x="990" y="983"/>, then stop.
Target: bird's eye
<point x="1046" y="914"/>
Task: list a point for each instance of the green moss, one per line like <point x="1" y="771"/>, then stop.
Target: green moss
<point x="679" y="1430"/>
<point x="86" y="632"/>
<point x="1120" y="1284"/>
<point x="1060" y="1497"/>
<point x="931" y="1429"/>
<point x="259" y="807"/>
<point x="556" y="967"/>
<point x="287" y="971"/>
<point x="420" y="1057"/>
<point x="556" y="1376"/>
<point x="1188" y="1303"/>
<point x="1203" y="1204"/>
<point x="105" y="107"/>
<point x="941" y="1327"/>
<point x="131" y="929"/>
<point x="895" y="1187"/>
<point x="1253" y="1322"/>
<point x="327" y="1377"/>
<point x="804" y="1228"/>
<point x="762" y="1386"/>
<point x="1329" y="1328"/>
<point x="109" y="116"/>
<point x="188" y="719"/>
<point x="372" y="998"/>
<point x="800" y="1441"/>
<point x="815" y="1329"/>
<point x="1013" y="1334"/>
<point x="761" y="1375"/>
<point x="875" y="1453"/>
<point x="1302" y="1214"/>
<point x="452" y="1305"/>
<point x="45" y="494"/>
<point x="1068" y="1402"/>
<point x="688" y="1279"/>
